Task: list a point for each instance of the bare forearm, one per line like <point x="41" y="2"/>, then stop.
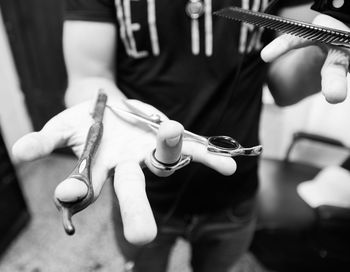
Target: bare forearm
<point x="89" y="50"/>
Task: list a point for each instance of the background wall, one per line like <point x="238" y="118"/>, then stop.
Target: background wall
<point x="34" y="30"/>
<point x="312" y="115"/>
<point x="14" y="119"/>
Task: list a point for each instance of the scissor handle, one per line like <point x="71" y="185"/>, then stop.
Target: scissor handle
<point x="247" y="151"/>
<point x="227" y="146"/>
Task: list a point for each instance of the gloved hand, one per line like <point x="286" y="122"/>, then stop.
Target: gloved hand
<point x="125" y="148"/>
<point x="336" y="64"/>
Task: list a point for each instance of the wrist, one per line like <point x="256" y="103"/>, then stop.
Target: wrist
<point x="86" y="89"/>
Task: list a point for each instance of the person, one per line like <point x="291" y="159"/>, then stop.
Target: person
<point x="177" y="60"/>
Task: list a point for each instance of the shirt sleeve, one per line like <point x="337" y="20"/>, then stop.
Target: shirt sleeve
<point x="90" y="10"/>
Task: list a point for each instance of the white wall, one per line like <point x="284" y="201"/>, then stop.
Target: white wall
<point x="14" y="119"/>
<point x="313" y="115"/>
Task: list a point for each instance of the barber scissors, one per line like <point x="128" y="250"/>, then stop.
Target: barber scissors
<point x="221" y="145"/>
<point x="82" y="171"/>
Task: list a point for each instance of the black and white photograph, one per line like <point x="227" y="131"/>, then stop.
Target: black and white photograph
<point x="174" y="135"/>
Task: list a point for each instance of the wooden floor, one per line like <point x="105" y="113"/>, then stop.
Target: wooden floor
<point x="44" y="247"/>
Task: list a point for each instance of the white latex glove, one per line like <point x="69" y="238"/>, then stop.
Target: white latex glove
<point x="335" y="68"/>
<point x="125" y="148"/>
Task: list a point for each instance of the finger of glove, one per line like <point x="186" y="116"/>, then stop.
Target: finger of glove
<point x="168" y="147"/>
<point x="72" y="189"/>
<point x="39" y="144"/>
<point x="281" y="45"/>
<point x="335" y="68"/>
<point x="222" y="164"/>
<point x="138" y="221"/>
<point x="334" y="75"/>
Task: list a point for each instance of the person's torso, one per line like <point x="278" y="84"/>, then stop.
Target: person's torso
<point x="184" y="66"/>
<point x="187" y="68"/>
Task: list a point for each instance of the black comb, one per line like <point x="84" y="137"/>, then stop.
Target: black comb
<point x="297" y="28"/>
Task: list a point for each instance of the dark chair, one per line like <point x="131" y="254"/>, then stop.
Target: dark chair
<point x="291" y="235"/>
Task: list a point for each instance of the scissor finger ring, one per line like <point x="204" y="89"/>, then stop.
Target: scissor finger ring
<point x="182" y="162"/>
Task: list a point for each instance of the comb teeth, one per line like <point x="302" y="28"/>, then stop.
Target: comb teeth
<point x="289" y="26"/>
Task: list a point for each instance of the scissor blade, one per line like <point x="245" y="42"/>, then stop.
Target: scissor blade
<point x="289" y="26"/>
<point x="155" y="125"/>
<point x="144" y="119"/>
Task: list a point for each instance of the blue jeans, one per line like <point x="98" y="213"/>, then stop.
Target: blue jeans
<point x="217" y="240"/>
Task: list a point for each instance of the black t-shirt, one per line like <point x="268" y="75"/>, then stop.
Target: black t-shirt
<point x="188" y="68"/>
